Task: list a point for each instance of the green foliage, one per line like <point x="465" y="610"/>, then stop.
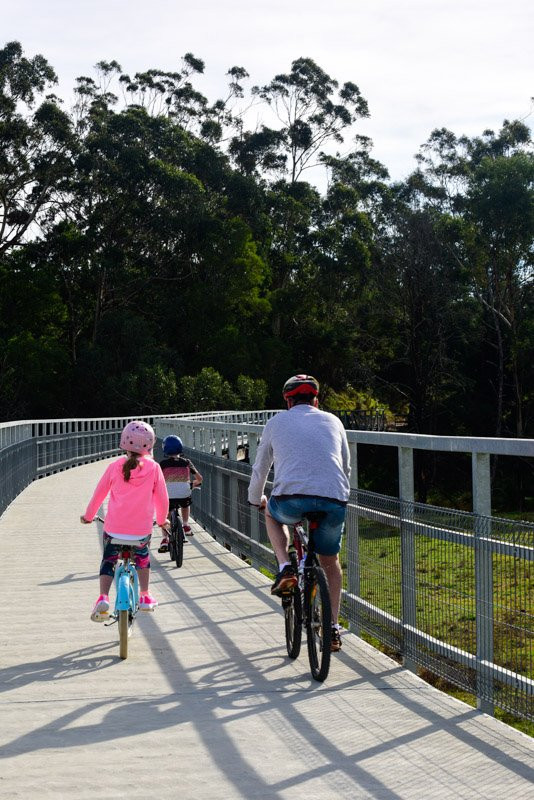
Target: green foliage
<point x="209" y="391"/>
<point x="353" y="399"/>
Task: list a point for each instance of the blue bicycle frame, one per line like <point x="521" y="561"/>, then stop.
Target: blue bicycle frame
<point x="126" y="587"/>
<point x="126" y="592"/>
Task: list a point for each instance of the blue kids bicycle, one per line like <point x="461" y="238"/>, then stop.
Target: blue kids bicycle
<point x="126" y="591"/>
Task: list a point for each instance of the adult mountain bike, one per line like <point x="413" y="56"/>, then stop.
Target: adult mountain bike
<point x="308" y="605"/>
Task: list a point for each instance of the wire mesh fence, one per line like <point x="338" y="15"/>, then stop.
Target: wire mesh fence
<point x="428" y="583"/>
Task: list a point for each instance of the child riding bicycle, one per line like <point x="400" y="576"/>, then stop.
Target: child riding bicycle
<point x="181" y="477"/>
<point x="137" y="492"/>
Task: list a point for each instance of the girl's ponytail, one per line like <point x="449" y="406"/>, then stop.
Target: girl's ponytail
<point x="129" y="465"/>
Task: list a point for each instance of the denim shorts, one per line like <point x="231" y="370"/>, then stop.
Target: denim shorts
<point x="288" y="509"/>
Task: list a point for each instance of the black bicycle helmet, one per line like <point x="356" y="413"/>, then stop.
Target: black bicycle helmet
<point x="300" y="384"/>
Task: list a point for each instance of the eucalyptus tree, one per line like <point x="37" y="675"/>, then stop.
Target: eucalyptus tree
<point x="35" y="146"/>
<point x="311" y="112"/>
<point x="485" y="186"/>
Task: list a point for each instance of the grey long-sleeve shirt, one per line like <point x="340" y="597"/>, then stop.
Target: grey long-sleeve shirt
<point x="310" y="452"/>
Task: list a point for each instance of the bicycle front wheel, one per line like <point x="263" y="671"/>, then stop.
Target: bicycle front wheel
<point x="124" y="625"/>
<point x="318" y="622"/>
<point x="292" y="605"/>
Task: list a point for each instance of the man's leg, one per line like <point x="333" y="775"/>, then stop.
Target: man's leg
<point x="334" y="575"/>
<point x="279" y="538"/>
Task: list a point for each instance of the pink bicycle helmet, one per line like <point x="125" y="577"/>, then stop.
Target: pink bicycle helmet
<point x="138" y="437"/>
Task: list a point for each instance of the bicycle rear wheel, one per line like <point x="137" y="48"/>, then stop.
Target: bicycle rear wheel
<point x="177" y="534"/>
<point x="124" y="625"/>
<point x="318" y="622"/>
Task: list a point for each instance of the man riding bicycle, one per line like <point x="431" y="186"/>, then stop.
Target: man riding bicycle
<point x="310" y="453"/>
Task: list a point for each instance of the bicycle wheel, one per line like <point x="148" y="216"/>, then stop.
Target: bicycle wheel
<point x="124" y="625"/>
<point x="172" y="549"/>
<point x="318" y="622"/>
<point x="292" y="606"/>
<point x="178" y="535"/>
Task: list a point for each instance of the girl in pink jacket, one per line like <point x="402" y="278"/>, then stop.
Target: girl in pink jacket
<point x="137" y="492"/>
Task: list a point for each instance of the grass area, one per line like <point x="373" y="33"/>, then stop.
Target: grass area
<point x="445" y="600"/>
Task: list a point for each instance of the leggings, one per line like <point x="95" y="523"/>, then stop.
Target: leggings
<point x="111" y="554"/>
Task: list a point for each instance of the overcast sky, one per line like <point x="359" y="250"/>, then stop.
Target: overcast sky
<point x="420" y="64"/>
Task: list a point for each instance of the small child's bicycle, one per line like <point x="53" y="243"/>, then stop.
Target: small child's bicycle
<point x="126" y="591"/>
<point x="176" y="535"/>
<point x="176" y="538"/>
<point x="308" y="604"/>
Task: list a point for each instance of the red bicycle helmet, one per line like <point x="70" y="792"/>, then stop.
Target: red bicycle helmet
<point x="300" y="384"/>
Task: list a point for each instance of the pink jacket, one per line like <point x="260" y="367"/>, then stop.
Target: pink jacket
<point x="134" y="503"/>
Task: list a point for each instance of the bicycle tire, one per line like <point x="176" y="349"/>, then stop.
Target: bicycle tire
<point x="293" y="623"/>
<point x="292" y="605"/>
<point x="178" y="536"/>
<point x="172" y="551"/>
<point x="124" y="625"/>
<point x="318" y="622"/>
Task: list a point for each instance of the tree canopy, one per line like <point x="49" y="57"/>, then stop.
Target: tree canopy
<point x="158" y="253"/>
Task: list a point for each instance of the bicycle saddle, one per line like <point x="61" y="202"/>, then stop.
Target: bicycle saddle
<point x="130" y="542"/>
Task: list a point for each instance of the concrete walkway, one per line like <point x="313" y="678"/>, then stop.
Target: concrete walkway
<point x="208" y="705"/>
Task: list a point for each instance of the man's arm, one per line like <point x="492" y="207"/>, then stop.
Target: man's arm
<point x="345" y="452"/>
<point x="260" y="469"/>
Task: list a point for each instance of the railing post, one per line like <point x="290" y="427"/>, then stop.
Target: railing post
<point x="353" y="546"/>
<point x="254" y="513"/>
<point x="407" y="536"/>
<point x="234" y="491"/>
<point x="483" y="579"/>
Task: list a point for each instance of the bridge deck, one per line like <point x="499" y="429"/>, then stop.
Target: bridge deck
<point x="207" y="705"/>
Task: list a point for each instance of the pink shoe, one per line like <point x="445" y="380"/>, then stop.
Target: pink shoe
<point x="100" y="612"/>
<point x="164" y="545"/>
<point x="187" y="530"/>
<point x="147" y="602"/>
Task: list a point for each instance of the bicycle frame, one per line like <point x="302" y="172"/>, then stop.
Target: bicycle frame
<point x="126" y="594"/>
<point x="126" y="585"/>
<point x="306" y="557"/>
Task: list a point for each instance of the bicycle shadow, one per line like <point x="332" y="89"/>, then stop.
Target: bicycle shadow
<point x="71" y="664"/>
<point x="70" y="578"/>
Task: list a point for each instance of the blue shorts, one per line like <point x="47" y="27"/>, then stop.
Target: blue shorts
<point x="289" y="509"/>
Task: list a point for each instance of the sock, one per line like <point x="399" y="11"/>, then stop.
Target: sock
<point x="285" y="564"/>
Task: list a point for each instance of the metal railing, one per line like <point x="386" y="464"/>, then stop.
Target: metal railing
<point x="31" y="449"/>
<point x="359" y="420"/>
<point x="450" y="592"/>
